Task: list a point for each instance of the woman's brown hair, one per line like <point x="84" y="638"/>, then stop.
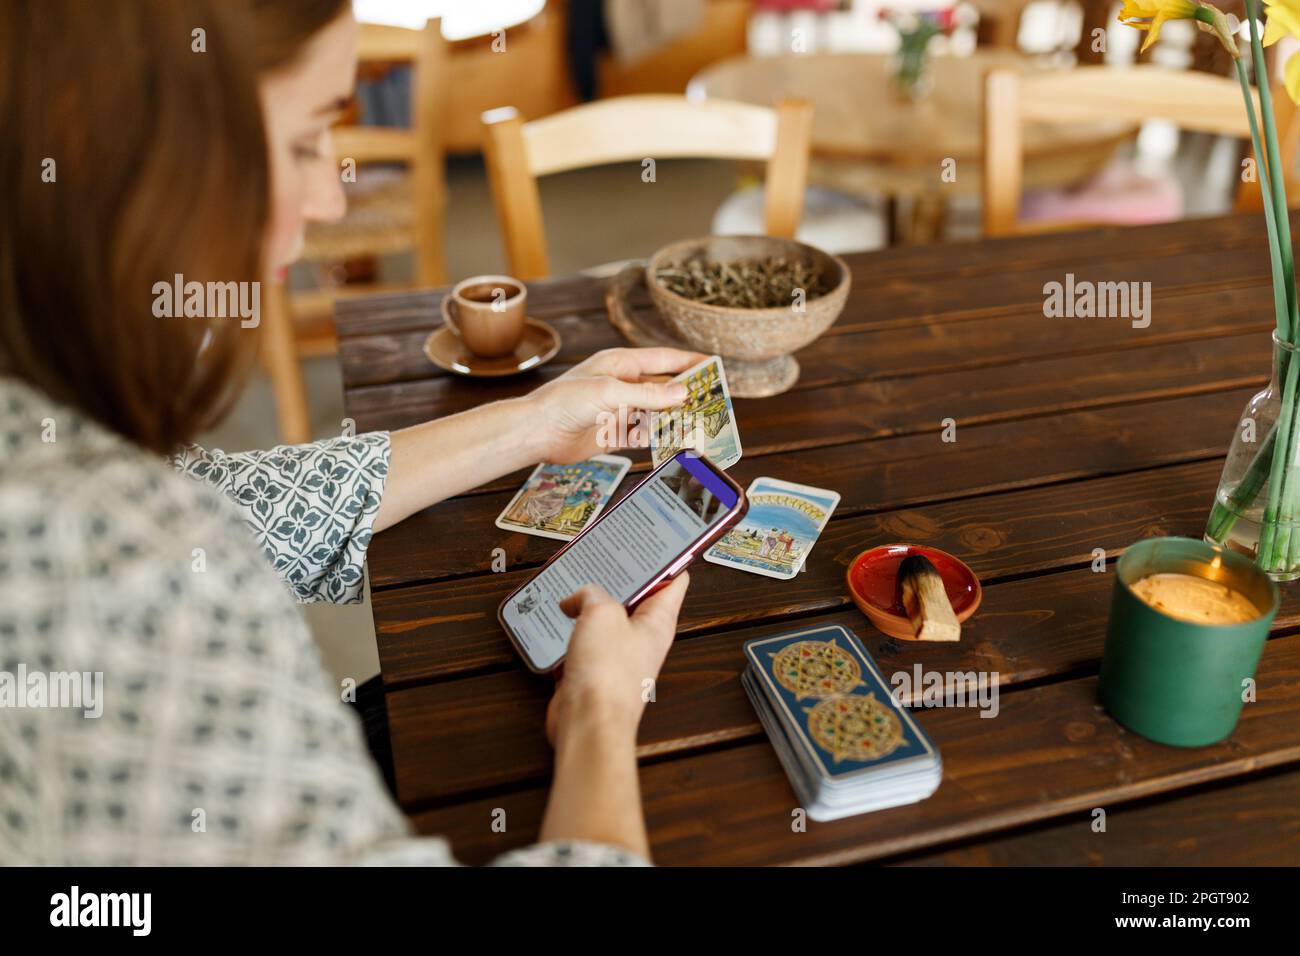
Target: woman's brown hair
<point x="282" y="27"/>
<point x="134" y="153"/>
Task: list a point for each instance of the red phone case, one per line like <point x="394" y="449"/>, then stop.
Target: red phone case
<point x="661" y="577"/>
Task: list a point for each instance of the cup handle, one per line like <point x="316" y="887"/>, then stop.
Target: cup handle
<point x="448" y="306"/>
<point x="624" y="318"/>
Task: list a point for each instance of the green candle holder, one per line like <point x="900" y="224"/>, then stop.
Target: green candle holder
<point x="1179" y="682"/>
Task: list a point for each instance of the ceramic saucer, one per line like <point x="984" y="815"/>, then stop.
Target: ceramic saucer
<point x="445" y="349"/>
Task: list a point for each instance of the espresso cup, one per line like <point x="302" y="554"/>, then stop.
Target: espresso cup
<point x="487" y="314"/>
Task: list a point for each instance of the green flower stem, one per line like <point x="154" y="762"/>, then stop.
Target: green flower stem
<point x="1266" y="553"/>
<point x="1276" y="544"/>
<point x="1223" y="517"/>
<point x="1291" y="495"/>
<point x="1278" y="179"/>
<point x="1281" y="304"/>
<point x="1284" y="472"/>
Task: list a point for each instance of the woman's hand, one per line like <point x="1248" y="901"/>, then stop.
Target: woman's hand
<point x="593" y="407"/>
<point x="594" y="714"/>
<point x="596" y="407"/>
<point x="613" y="660"/>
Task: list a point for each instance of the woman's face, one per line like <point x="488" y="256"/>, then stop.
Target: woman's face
<point x="300" y="103"/>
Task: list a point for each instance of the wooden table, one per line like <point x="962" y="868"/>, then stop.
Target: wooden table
<point x="1072" y="435"/>
<point x="868" y="139"/>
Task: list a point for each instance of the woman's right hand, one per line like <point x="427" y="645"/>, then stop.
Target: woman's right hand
<point x="613" y="659"/>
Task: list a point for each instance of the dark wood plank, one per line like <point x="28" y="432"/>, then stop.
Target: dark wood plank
<point x="844" y="355"/>
<point x="1052" y="751"/>
<point x="439" y="630"/>
<point x="890" y="473"/>
<point x="459" y="736"/>
<point x="1253" y="823"/>
<point x="903" y="404"/>
<point x="410" y="402"/>
<point x="433" y="631"/>
<point x="995" y="256"/>
<point x="403" y="312"/>
<point x="392" y="351"/>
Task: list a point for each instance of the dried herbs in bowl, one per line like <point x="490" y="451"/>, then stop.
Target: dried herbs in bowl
<point x="766" y="283"/>
<point x="754" y="300"/>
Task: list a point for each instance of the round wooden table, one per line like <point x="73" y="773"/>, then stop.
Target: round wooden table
<point x="869" y="139"/>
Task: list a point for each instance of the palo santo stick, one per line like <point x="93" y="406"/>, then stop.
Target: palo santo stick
<point x="926" y="601"/>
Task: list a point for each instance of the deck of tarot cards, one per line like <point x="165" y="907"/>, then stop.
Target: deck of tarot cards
<point x="845" y="743"/>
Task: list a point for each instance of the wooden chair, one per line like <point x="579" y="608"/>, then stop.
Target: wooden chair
<point x="1190" y="100"/>
<point x="631" y="128"/>
<point x="389" y="211"/>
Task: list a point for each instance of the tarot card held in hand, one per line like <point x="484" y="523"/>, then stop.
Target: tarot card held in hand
<point x="782" y="525"/>
<point x="704" y="422"/>
<point x="557" y="501"/>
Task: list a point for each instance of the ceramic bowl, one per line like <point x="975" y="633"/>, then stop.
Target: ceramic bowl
<point x="755" y="344"/>
<point x="873" y="584"/>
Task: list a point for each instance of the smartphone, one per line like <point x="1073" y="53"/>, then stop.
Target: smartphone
<point x="633" y="548"/>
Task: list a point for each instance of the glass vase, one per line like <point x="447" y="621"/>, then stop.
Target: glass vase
<point x="911" y="74"/>
<point x="1241" y="518"/>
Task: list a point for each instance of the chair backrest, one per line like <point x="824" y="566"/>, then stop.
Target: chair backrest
<point x="418" y="146"/>
<point x="1190" y="100"/>
<point x="381" y="43"/>
<point x="629" y="128"/>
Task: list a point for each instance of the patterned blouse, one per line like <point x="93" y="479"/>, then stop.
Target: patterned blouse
<point x="161" y="699"/>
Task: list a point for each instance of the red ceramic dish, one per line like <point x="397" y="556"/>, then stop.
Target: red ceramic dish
<point x="873" y="583"/>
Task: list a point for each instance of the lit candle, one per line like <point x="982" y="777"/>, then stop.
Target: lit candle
<point x="1188" y="622"/>
<point x="1191" y="598"/>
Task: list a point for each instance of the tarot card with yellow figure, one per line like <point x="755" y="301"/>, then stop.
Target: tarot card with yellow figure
<point x="705" y="422"/>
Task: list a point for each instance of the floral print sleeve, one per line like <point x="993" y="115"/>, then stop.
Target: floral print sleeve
<point x="311" y="507"/>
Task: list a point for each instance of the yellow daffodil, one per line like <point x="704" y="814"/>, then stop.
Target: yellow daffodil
<point x="1284" y="20"/>
<point x="1149" y="15"/>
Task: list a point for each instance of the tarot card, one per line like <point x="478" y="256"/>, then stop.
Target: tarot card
<point x="783" y="523"/>
<point x="776" y="733"/>
<point x="557" y="501"/>
<point x="839" y="715"/>
<point x="705" y="422"/>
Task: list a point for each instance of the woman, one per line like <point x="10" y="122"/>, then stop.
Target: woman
<point x="139" y="158"/>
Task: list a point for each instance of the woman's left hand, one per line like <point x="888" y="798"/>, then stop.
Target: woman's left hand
<point x="597" y="406"/>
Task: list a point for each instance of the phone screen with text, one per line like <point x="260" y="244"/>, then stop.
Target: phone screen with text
<point x="628" y="545"/>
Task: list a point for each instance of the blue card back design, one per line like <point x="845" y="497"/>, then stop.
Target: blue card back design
<point x="827" y="689"/>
